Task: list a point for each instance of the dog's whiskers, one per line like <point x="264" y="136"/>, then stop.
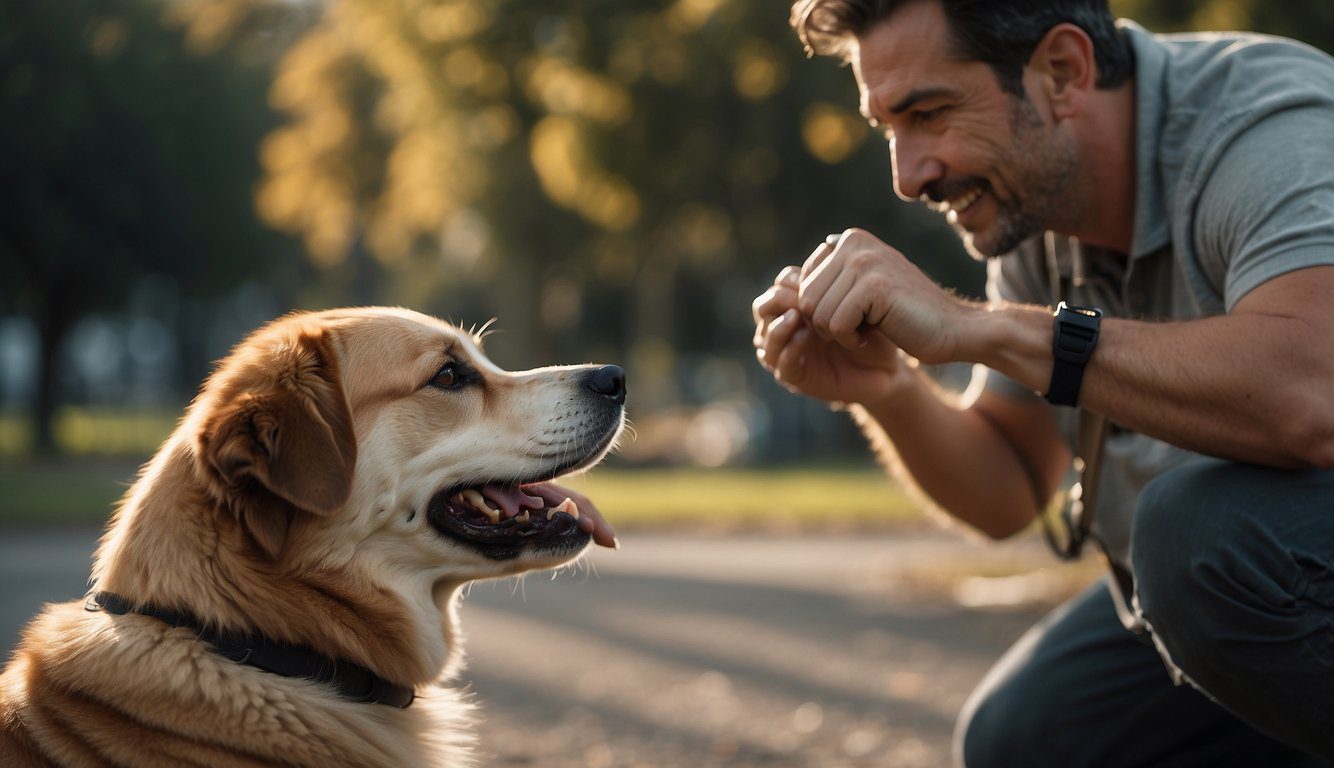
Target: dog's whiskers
<point x="534" y="441"/>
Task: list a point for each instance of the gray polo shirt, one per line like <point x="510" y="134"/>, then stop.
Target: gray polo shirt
<point x="1235" y="186"/>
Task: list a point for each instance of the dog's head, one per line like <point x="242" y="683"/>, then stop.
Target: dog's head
<point x="386" y="436"/>
<point x="343" y="473"/>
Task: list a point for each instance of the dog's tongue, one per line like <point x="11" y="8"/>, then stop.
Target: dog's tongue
<point x="511" y="500"/>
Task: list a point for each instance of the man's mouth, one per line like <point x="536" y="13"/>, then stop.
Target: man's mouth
<point x="501" y="519"/>
<point x="958" y="205"/>
<point x="957" y="196"/>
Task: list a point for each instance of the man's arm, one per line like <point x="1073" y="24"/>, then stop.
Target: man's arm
<point x="1255" y="385"/>
<point x="991" y="462"/>
<point x="986" y="460"/>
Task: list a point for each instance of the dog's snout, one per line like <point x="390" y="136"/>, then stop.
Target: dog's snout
<point x="608" y="381"/>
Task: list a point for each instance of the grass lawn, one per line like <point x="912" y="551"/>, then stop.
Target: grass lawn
<point x="63" y="492"/>
<point x="85" y="490"/>
<point x="768" y="499"/>
<point x="84" y="486"/>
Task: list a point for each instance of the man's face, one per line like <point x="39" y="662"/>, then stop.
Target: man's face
<point x="1001" y="170"/>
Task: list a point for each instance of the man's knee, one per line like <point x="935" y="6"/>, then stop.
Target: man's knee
<point x="1001" y="728"/>
<point x="1193" y="536"/>
<point x="1172" y="527"/>
<point x="1203" y="544"/>
<point x="1232" y="571"/>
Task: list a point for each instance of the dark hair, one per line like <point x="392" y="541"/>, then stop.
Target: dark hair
<point x="1001" y="33"/>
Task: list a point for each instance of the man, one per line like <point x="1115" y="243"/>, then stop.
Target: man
<point x="1185" y="187"/>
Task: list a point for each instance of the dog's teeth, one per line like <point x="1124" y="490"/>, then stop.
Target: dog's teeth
<point x="479" y="503"/>
<point x="525" y="517"/>
<point x="568" y="507"/>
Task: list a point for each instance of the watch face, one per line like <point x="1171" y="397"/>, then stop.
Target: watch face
<point x="1085" y="311"/>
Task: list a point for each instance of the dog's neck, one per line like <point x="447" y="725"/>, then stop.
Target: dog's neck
<point x="170" y="545"/>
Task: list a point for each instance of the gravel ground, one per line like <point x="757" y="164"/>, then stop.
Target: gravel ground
<point x="782" y="652"/>
<point x="788" y="653"/>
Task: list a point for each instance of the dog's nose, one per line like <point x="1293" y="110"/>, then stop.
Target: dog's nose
<point x="608" y="381"/>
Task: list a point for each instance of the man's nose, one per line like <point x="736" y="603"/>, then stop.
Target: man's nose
<point x="915" y="167"/>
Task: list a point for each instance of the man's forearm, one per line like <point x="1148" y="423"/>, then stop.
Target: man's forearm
<point x="1253" y="388"/>
<point x="952" y="455"/>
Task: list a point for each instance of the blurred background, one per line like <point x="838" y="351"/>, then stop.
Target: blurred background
<point x="613" y="182"/>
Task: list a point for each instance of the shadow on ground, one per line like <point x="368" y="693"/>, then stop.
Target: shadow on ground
<point x="682" y="651"/>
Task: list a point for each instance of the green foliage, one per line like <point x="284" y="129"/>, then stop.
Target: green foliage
<point x="1311" y="21"/>
<point x="613" y="180"/>
<point x="602" y="175"/>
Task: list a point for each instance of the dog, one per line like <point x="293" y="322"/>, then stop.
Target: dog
<point x="279" y="586"/>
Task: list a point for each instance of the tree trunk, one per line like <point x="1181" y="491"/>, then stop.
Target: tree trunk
<point x="53" y="323"/>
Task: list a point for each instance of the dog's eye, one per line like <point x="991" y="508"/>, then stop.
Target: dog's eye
<point x="448" y="377"/>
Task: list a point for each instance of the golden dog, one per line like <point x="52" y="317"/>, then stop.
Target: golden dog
<point x="281" y="581"/>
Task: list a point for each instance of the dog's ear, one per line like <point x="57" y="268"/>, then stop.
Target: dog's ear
<point x="284" y="441"/>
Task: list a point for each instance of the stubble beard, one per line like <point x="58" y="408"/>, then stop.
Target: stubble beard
<point x="1044" y="164"/>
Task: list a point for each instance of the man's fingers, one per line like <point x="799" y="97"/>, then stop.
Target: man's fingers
<point x="770" y="304"/>
<point x="848" y="319"/>
<point x="758" y="303"/>
<point x="791" y="359"/>
<point x="775" y="302"/>
<point x="821" y="253"/>
<point x="816" y="288"/>
<point x="841" y="293"/>
<point x="779" y="335"/>
<point x="771" y="337"/>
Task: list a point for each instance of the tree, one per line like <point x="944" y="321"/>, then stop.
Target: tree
<point x="121" y="155"/>
<point x="505" y="156"/>
<point x="1311" y="21"/>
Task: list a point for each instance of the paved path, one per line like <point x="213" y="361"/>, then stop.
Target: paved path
<point x="678" y="651"/>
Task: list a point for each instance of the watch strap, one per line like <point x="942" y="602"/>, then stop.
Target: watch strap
<point x="1066" y="380"/>
<point x="1074" y="337"/>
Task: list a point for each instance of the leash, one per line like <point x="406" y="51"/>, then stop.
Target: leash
<point x="1081" y="502"/>
<point x="350" y="681"/>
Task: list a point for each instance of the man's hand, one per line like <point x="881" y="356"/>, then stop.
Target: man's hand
<point x="809" y="364"/>
<point x="856" y="284"/>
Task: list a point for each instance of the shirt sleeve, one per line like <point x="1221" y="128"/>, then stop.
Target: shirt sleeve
<point x="1267" y="208"/>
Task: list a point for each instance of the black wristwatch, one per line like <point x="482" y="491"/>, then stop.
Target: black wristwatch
<point x="1074" y="336"/>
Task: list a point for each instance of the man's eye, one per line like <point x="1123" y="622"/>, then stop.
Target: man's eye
<point x="931" y="114"/>
<point x="448" y="377"/>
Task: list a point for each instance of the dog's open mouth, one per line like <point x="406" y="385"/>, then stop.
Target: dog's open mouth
<point x="501" y="519"/>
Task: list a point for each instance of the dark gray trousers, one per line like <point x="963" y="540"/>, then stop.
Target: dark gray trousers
<point x="1235" y="573"/>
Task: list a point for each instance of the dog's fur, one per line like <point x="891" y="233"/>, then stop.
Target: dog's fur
<point x="292" y="501"/>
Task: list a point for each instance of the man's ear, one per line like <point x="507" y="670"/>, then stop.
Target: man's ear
<point x="1068" y="70"/>
<point x="285" y="442"/>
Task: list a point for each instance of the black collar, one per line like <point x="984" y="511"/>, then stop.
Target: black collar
<point x="350" y="681"/>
